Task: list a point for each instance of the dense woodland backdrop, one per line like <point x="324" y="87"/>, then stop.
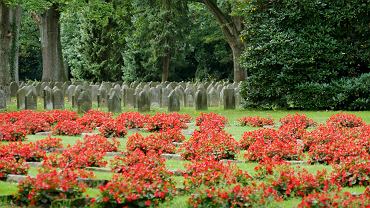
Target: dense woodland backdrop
<point x="290" y="52"/>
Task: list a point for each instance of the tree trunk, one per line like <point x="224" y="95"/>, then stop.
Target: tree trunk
<point x="231" y="28"/>
<point x="52" y="57"/>
<point x="166" y="67"/>
<point x="239" y="72"/>
<point x="15" y="18"/>
<point x="5" y="38"/>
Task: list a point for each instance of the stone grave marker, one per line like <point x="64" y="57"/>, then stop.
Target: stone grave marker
<point x="173" y="102"/>
<point x="84" y="102"/>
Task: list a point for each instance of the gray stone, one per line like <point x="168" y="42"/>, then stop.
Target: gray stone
<point x="128" y="97"/>
<point x="84" y="102"/>
<point x="201" y="102"/>
<point x="214" y="97"/>
<point x="143" y="102"/>
<point x="102" y="96"/>
<point x="13" y="89"/>
<point x="48" y="103"/>
<point x="173" y="102"/>
<point x="155" y="96"/>
<point x="114" y="102"/>
<point x="189" y="97"/>
<point x="2" y="99"/>
<point x="70" y="91"/>
<point x="229" y="98"/>
<point x="76" y="94"/>
<point x="21" y="96"/>
<point x="57" y="98"/>
<point x="165" y="92"/>
<point x="31" y="100"/>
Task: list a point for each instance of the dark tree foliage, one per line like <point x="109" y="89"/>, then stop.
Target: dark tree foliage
<point x="307" y="54"/>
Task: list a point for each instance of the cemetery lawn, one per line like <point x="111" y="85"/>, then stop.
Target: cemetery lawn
<point x="233" y="128"/>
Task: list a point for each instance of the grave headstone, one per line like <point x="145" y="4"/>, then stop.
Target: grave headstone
<point x="128" y="97"/>
<point x="214" y="97"/>
<point x="21" y="96"/>
<point x="31" y="100"/>
<point x="84" y="102"/>
<point x="201" y="102"/>
<point x="173" y="102"/>
<point x="2" y="99"/>
<point x="229" y="98"/>
<point x="57" y="98"/>
<point x="70" y="91"/>
<point x="13" y="89"/>
<point x="102" y="96"/>
<point x="143" y="102"/>
<point x="114" y="103"/>
<point x="48" y="103"/>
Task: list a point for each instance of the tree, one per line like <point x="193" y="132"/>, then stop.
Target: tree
<point x="5" y="40"/>
<point x="232" y="27"/>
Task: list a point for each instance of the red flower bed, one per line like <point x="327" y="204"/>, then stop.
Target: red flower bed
<point x="345" y="120"/>
<point x="166" y="121"/>
<point x="132" y="120"/>
<point x="250" y="137"/>
<point x="136" y="186"/>
<point x="152" y="160"/>
<point x="61" y="115"/>
<point x="11" y="165"/>
<point x="173" y="135"/>
<point x="328" y="144"/>
<point x="210" y="120"/>
<point x="272" y="147"/>
<point x="113" y="128"/>
<point x="215" y="144"/>
<point x="50" y="185"/>
<point x="154" y="142"/>
<point x="336" y="199"/>
<point x="291" y="183"/>
<point x="94" y="118"/>
<point x="27" y="151"/>
<point x="355" y="171"/>
<point x="69" y="128"/>
<point x="34" y="123"/>
<point x="213" y="173"/>
<point x="12" y="132"/>
<point x="255" y="121"/>
<point x="297" y="120"/>
<point x="89" y="153"/>
<point x="49" y="143"/>
<point x="236" y="196"/>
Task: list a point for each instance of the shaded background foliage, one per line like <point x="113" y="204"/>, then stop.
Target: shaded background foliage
<point x="307" y="54"/>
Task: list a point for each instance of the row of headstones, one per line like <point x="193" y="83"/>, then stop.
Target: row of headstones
<point x="139" y="95"/>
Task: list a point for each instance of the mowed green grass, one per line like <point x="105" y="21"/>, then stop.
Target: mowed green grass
<point x="232" y="128"/>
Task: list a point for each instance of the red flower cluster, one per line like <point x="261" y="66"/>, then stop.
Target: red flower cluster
<point x="94" y="118"/>
<point x="49" y="143"/>
<point x="138" y="185"/>
<point x="112" y="128"/>
<point x="154" y="142"/>
<point x="354" y="171"/>
<point x="255" y="121"/>
<point x="345" y="120"/>
<point x="215" y="144"/>
<point x="209" y="121"/>
<point x="26" y="151"/>
<point x="132" y="120"/>
<point x="56" y="116"/>
<point x="291" y="183"/>
<point x="297" y="120"/>
<point x="10" y="165"/>
<point x="12" y="132"/>
<point x="152" y="159"/>
<point x="213" y="173"/>
<point x="166" y="121"/>
<point x="336" y="199"/>
<point x="329" y="144"/>
<point x="236" y="196"/>
<point x="68" y="127"/>
<point x="268" y="143"/>
<point x="50" y="185"/>
<point x="89" y="153"/>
